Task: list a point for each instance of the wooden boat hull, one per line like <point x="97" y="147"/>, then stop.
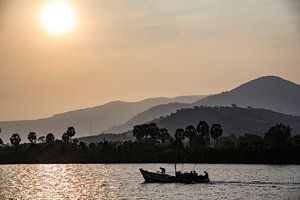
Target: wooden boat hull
<point x="151" y="177"/>
<point x="191" y="178"/>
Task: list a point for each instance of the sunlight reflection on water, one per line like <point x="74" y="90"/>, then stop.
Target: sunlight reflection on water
<point x="123" y="181"/>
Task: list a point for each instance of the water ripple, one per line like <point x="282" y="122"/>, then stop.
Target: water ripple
<point x="123" y="181"/>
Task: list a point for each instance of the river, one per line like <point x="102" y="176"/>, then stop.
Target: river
<point x="124" y="181"/>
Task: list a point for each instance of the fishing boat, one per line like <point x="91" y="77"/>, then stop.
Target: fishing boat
<point x="186" y="177"/>
<point x="152" y="177"/>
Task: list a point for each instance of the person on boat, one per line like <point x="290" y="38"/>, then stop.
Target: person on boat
<point x="206" y="174"/>
<point x="163" y="170"/>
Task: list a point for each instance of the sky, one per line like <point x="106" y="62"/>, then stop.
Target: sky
<point x="132" y="49"/>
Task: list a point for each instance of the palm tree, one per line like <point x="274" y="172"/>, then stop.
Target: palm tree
<point x="32" y="137"/>
<point x="71" y="131"/>
<point x="138" y="132"/>
<point x="179" y="137"/>
<point x="216" y="132"/>
<point x="68" y="134"/>
<point x="278" y="135"/>
<point x="203" y="133"/>
<point x="15" y="139"/>
<point x="190" y="132"/>
<point x="179" y="134"/>
<point x="203" y="128"/>
<point x="50" y="138"/>
<point x="163" y="135"/>
<point x="153" y="131"/>
<point x="66" y="138"/>
<point x="194" y="138"/>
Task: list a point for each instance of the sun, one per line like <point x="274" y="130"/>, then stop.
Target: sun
<point x="58" y="17"/>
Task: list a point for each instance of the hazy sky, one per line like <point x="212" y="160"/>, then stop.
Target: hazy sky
<point x="135" y="49"/>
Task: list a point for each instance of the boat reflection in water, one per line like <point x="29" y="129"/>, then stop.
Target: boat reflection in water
<point x="162" y="177"/>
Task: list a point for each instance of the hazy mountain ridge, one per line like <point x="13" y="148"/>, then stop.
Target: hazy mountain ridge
<point x="148" y="115"/>
<point x="234" y="120"/>
<point x="87" y="121"/>
<point x="268" y="92"/>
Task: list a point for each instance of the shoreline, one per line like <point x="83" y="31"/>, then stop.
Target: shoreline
<point x="116" y="163"/>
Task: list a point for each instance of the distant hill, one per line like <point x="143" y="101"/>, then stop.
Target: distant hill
<point x="107" y="136"/>
<point x="148" y="115"/>
<point x="89" y="120"/>
<point x="235" y="120"/>
<point x="268" y="92"/>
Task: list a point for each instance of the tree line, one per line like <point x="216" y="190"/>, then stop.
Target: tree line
<point x="198" y="143"/>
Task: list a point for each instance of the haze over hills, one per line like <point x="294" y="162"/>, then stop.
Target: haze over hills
<point x="87" y="121"/>
<point x="148" y="115"/>
<point x="268" y="92"/>
<point x="234" y="120"/>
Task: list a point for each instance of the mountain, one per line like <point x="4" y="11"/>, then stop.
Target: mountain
<point x="234" y="120"/>
<point x="89" y="120"/>
<point x="268" y="92"/>
<point x="148" y="115"/>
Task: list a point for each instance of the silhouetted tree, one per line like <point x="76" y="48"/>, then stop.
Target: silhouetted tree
<point x="141" y="132"/>
<point x="278" y="135"/>
<point x="82" y="144"/>
<point x="32" y="137"/>
<point x="250" y="141"/>
<point x="1" y="141"/>
<point x="179" y="134"/>
<point x="92" y="146"/>
<point x="163" y="135"/>
<point x="68" y="134"/>
<point x="296" y="141"/>
<point x="244" y="149"/>
<point x="216" y="132"/>
<point x="71" y="131"/>
<point x="153" y="131"/>
<point x="190" y="132"/>
<point x="50" y="138"/>
<point x="75" y="141"/>
<point x="179" y="137"/>
<point x="15" y="139"/>
<point x="203" y="128"/>
<point x="203" y="133"/>
<point x="138" y="132"/>
<point x="228" y="141"/>
<point x="66" y="138"/>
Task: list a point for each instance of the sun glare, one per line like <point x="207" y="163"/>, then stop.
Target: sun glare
<point x="58" y="17"/>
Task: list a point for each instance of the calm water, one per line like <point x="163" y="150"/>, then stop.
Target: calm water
<point x="123" y="181"/>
